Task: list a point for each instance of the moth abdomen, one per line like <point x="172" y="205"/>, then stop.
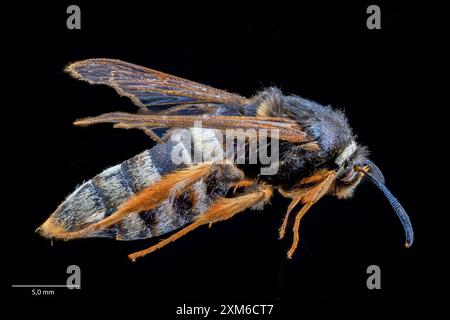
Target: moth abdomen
<point x="100" y="197"/>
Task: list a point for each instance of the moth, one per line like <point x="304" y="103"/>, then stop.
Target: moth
<point x="149" y="195"/>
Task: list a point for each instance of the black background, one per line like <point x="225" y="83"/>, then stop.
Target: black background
<point x="322" y="51"/>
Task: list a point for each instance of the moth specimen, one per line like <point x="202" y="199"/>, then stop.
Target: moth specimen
<point x="149" y="195"/>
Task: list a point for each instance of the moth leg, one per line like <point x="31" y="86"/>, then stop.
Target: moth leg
<point x="148" y="198"/>
<point x="295" y="200"/>
<point x="297" y="195"/>
<point x="296" y="227"/>
<point x="222" y="209"/>
<point x="310" y="198"/>
<point x="242" y="184"/>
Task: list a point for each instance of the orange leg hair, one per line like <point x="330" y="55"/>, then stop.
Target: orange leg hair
<point x="222" y="209"/>
<point x="298" y="193"/>
<point x="242" y="184"/>
<point x="296" y="197"/>
<point x="150" y="197"/>
<point x="308" y="199"/>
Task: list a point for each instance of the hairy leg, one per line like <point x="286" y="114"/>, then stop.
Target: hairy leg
<point x="302" y="188"/>
<point x="297" y="196"/>
<point x="222" y="209"/>
<point x="310" y="198"/>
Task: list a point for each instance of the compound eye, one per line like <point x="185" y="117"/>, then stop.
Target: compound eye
<point x="349" y="175"/>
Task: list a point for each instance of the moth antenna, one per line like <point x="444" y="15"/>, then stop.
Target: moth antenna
<point x="399" y="210"/>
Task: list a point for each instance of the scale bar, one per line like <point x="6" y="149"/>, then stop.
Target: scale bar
<point x="45" y="286"/>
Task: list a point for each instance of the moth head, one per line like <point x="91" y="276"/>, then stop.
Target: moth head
<point x="354" y="165"/>
<point x="348" y="177"/>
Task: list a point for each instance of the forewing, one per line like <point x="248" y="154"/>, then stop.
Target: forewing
<point x="153" y="90"/>
<point x="287" y="129"/>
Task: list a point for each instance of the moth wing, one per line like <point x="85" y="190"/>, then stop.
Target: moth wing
<point x="279" y="128"/>
<point x="153" y="91"/>
<point x="158" y="93"/>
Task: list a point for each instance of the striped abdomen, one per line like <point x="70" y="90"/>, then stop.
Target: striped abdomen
<point x="102" y="195"/>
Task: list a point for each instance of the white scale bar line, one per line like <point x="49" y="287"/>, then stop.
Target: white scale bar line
<point x="44" y="286"/>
